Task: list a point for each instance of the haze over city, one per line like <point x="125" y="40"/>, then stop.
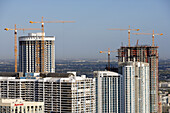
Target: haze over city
<point x="89" y="34"/>
<point x="58" y="68"/>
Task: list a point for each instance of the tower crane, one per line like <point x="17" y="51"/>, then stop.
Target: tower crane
<point x="125" y="30"/>
<point x="153" y="36"/>
<point x="108" y="56"/>
<point x="137" y="42"/>
<point x="42" y="41"/>
<point x="15" y="33"/>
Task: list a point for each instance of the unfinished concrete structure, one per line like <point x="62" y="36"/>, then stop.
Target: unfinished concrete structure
<point x="148" y="54"/>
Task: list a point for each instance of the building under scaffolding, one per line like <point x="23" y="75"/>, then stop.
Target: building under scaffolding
<point x="148" y="54"/>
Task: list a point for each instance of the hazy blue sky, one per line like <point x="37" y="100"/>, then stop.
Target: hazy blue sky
<point x="89" y="35"/>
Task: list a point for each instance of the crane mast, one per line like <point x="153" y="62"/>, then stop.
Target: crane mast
<point x="129" y="30"/>
<point x="108" y="52"/>
<point x="153" y="36"/>
<point x="42" y="59"/>
<point x="42" y="44"/>
<point x="15" y="48"/>
<point x="15" y="40"/>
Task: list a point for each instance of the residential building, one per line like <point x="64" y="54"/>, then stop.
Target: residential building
<point x="30" y="53"/>
<point x="147" y="54"/>
<point x="60" y="92"/>
<point x="164" y="96"/>
<point x="109" y="92"/>
<point x="136" y="87"/>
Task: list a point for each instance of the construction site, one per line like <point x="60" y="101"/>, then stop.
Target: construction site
<point x="37" y="56"/>
<point x="39" y="48"/>
<point x="142" y="53"/>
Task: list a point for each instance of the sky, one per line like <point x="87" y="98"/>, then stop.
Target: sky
<point x="89" y="34"/>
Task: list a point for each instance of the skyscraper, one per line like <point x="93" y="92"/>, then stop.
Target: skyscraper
<point x="147" y="54"/>
<point x="30" y="58"/>
<point x="109" y="89"/>
<point x="136" y="87"/>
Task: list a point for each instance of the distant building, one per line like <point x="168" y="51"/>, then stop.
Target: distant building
<point x="20" y="106"/>
<point x="147" y="54"/>
<point x="109" y="91"/>
<point x="164" y="96"/>
<point x="29" y="61"/>
<point x="164" y="84"/>
<point x="136" y="87"/>
<point x="11" y="74"/>
<point x="165" y="109"/>
<point x="60" y="92"/>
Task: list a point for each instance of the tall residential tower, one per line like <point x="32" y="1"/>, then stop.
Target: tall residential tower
<point x="30" y="58"/>
<point x="147" y="54"/>
<point x="109" y="92"/>
<point x="136" y="87"/>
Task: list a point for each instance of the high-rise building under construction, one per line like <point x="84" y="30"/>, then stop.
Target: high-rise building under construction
<point x="30" y="53"/>
<point x="148" y="54"/>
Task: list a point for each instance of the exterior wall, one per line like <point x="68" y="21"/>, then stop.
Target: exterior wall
<point x="20" y="106"/>
<point x="108" y="92"/>
<point x="136" y="83"/>
<point x="27" y="53"/>
<point x="147" y="54"/>
<point x="129" y="84"/>
<point x="71" y="94"/>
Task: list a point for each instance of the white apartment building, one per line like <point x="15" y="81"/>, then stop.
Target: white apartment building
<point x="20" y="106"/>
<point x="29" y="60"/>
<point x="59" y="92"/>
<point x="136" y="87"/>
<point x="109" y="91"/>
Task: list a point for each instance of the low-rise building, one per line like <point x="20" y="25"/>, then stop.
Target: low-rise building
<point x="20" y="106"/>
<point x="164" y="96"/>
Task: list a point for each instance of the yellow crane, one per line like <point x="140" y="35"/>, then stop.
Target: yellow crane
<point x="108" y="52"/>
<point x="153" y="36"/>
<point x="15" y="33"/>
<point x="42" y="42"/>
<point x="137" y="42"/>
<point x="125" y="30"/>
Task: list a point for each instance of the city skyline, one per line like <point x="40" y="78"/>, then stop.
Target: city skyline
<point x="89" y="35"/>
